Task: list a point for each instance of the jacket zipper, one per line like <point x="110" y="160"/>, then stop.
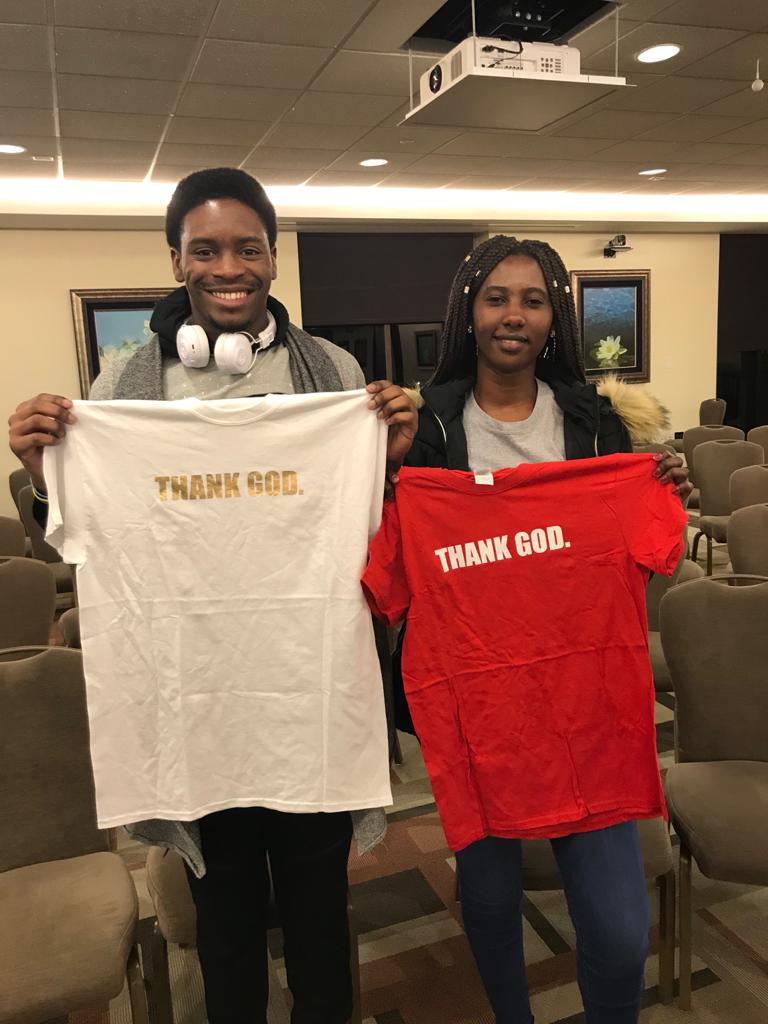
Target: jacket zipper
<point x="442" y="431"/>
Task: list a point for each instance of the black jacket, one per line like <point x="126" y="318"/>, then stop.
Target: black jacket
<point x="592" y="427"/>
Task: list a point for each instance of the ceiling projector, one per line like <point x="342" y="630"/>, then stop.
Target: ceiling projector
<point x="506" y="84"/>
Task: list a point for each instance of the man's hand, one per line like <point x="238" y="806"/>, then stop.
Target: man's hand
<point x="670" y="470"/>
<point x="39" y="422"/>
<point x="399" y="413"/>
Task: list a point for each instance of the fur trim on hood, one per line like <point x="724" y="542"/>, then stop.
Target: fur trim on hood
<point x="644" y="416"/>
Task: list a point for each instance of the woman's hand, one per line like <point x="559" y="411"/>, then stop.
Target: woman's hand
<point x="400" y="414"/>
<point x="670" y="470"/>
<point x="37" y="423"/>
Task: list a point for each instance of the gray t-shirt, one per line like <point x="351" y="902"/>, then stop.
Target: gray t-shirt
<point x="493" y="444"/>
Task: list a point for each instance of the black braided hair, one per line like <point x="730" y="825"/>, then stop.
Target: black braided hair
<point x="562" y="360"/>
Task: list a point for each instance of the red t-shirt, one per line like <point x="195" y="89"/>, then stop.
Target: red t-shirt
<point x="525" y="660"/>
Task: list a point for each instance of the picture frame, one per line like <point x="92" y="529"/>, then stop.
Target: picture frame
<point x="427" y="347"/>
<point x="110" y="323"/>
<point x="613" y="314"/>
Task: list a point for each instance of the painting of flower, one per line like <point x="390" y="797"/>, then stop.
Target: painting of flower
<point x="612" y="310"/>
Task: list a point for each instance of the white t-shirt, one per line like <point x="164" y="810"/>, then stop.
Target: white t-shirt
<point x="228" y="650"/>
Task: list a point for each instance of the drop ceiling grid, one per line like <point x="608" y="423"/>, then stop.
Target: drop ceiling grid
<point x="304" y="91"/>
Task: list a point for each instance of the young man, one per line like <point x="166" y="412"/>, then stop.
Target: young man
<point x="221" y="229"/>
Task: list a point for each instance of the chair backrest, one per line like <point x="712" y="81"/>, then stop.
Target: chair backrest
<point x="712" y="412"/>
<point x="47" y="801"/>
<point x="697" y="435"/>
<point x="35" y="532"/>
<point x="27" y="602"/>
<point x="714" y="462"/>
<point x="654" y="446"/>
<point x="12" y="537"/>
<point x="748" y="541"/>
<point x="759" y="435"/>
<point x="749" y="486"/>
<point x="16" y="480"/>
<point x="713" y="637"/>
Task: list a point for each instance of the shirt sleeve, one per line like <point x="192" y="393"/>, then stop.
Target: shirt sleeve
<point x="652" y="518"/>
<point x="384" y="581"/>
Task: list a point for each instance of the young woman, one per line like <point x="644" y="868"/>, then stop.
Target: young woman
<point x="510" y="389"/>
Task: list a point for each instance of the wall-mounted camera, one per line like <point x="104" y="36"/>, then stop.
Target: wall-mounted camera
<point x="617" y="244"/>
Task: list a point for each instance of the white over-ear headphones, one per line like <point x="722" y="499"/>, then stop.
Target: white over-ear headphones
<point x="233" y="353"/>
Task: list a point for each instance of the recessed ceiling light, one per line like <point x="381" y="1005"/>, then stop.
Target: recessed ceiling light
<point x="43" y="159"/>
<point x="655" y="170"/>
<point x="374" y="162"/>
<point x="7" y="148"/>
<point x="654" y="54"/>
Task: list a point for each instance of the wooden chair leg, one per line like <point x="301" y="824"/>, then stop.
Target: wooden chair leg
<point x="667" y="936"/>
<point x="154" y="956"/>
<point x="695" y="549"/>
<point x="136" y="990"/>
<point x="686" y="927"/>
<point x="709" y="556"/>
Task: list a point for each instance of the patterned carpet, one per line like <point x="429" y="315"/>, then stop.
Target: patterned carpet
<point x="416" y="967"/>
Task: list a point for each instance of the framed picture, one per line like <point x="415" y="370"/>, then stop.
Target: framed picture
<point x="110" y="323"/>
<point x="613" y="312"/>
<point x="426" y="349"/>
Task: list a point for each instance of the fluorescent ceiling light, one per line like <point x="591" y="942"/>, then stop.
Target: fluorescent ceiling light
<point x="374" y="162"/>
<point x="654" y="54"/>
<point x="7" y="148"/>
<point x="655" y="170"/>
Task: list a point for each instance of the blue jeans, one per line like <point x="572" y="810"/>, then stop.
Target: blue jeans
<point x="604" y="884"/>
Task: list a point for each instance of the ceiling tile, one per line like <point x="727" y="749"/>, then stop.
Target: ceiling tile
<point x="205" y="155"/>
<point x="644" y="153"/>
<point x="233" y="101"/>
<point x="414" y="138"/>
<point x="714" y="152"/>
<point x="175" y="17"/>
<point x="294" y="159"/>
<point x="122" y="171"/>
<point x="115" y="95"/>
<point x="341" y="108"/>
<point x="273" y="176"/>
<point x="695" y="44"/>
<point x="94" y="124"/>
<point x="488" y="181"/>
<point x="325" y="136"/>
<point x="26" y="88"/>
<point x="462" y="165"/>
<point x="716" y="172"/>
<point x="674" y="94"/>
<point x="227" y="62"/>
<point x="350" y="161"/>
<point x="754" y="155"/>
<point x="275" y="21"/>
<point x="391" y="24"/>
<point x="123" y="54"/>
<point x="24" y="12"/>
<point x="25" y="121"/>
<point x="614" y="124"/>
<point x="215" y="131"/>
<point x="643" y="10"/>
<point x="24" y="48"/>
<point x="383" y="74"/>
<point x="407" y="179"/>
<point x="694" y="128"/>
<point x="106" y="151"/>
<point x="735" y="61"/>
<point x="529" y="146"/>
<point x="746" y="15"/>
<point x="174" y="172"/>
<point x="30" y="170"/>
<point x="603" y="33"/>
<point x="755" y="133"/>
<point x="343" y="178"/>
<point x="742" y="102"/>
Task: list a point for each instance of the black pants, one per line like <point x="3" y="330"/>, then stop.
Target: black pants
<point x="308" y="863"/>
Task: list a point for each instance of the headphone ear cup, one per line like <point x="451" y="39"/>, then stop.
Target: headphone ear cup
<point x="192" y="346"/>
<point x="234" y="353"/>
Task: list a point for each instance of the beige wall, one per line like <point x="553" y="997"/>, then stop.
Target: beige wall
<point x="38" y="268"/>
<point x="37" y="271"/>
<point x="684" y="285"/>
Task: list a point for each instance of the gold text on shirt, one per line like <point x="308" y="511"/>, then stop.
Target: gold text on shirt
<point x="203" y="486"/>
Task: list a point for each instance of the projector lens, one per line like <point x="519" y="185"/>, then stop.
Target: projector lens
<point x="435" y="78"/>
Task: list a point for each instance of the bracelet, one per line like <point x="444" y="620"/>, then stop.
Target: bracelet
<point x="40" y="497"/>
